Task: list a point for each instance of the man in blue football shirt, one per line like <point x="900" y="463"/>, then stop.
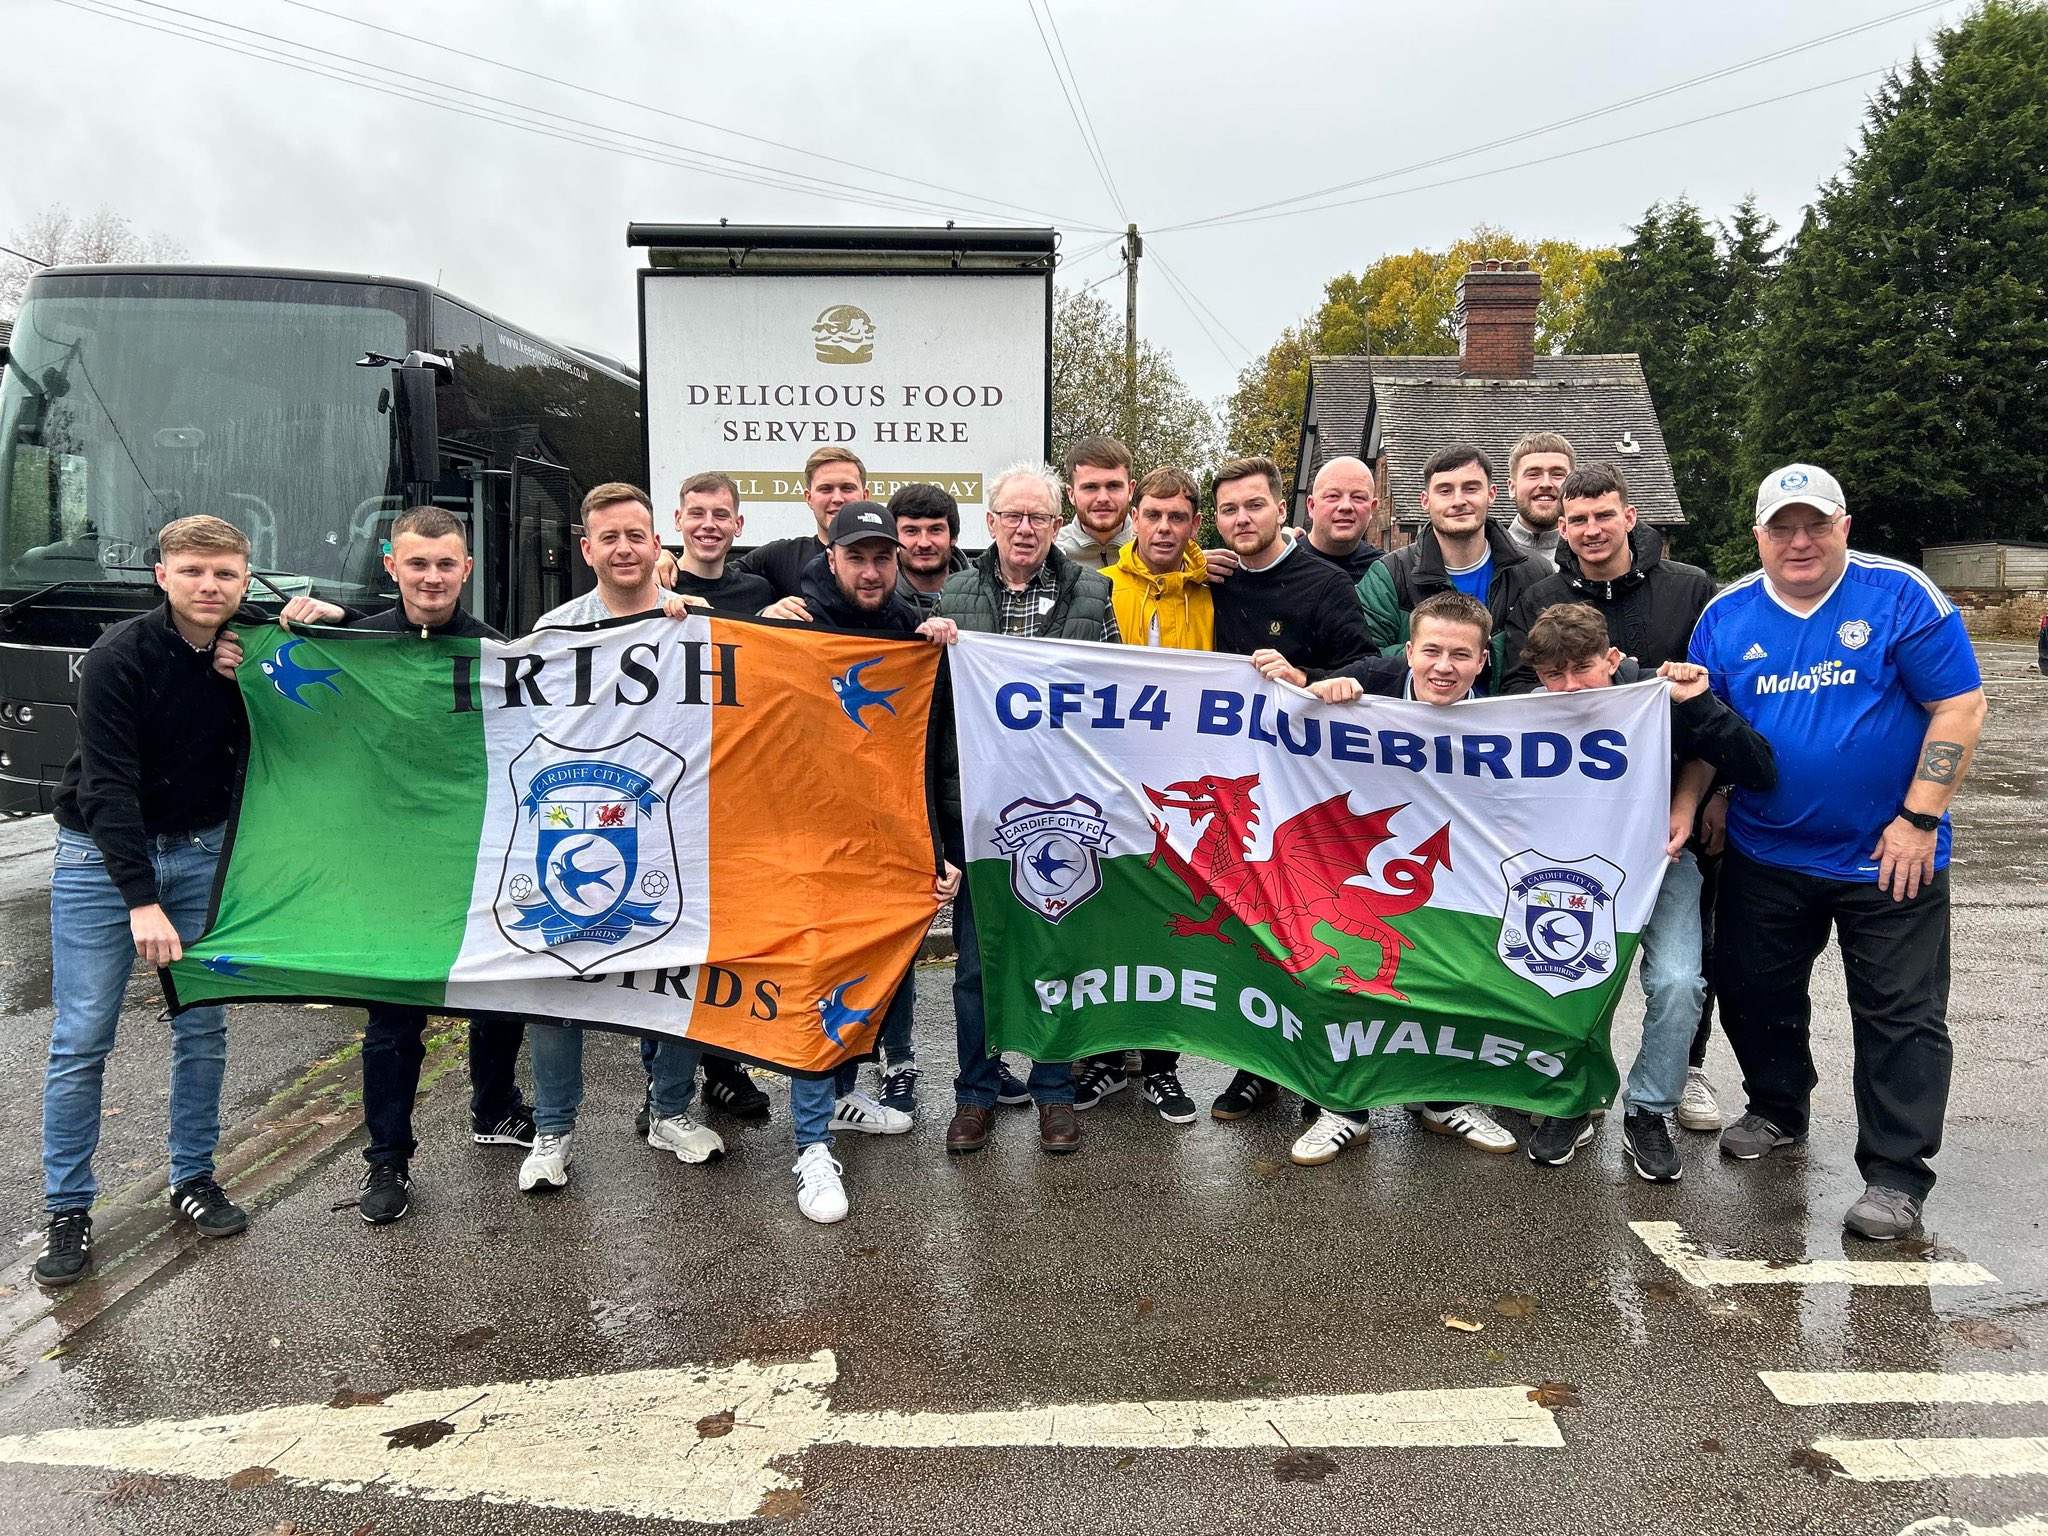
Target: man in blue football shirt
<point x="1860" y="674"/>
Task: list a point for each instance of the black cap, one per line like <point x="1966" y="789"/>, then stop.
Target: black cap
<point x="859" y="520"/>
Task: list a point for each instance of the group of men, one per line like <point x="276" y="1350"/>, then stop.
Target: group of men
<point x="1824" y="711"/>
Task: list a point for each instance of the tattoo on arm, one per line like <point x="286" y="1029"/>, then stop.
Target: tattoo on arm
<point x="1941" y="762"/>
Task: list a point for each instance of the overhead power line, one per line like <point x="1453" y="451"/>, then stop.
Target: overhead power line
<point x="1244" y="215"/>
<point x="1195" y="301"/>
<point x="695" y="122"/>
<point x="1076" y="108"/>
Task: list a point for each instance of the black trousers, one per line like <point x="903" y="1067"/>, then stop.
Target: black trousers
<point x="1773" y="923"/>
<point x="394" y="1045"/>
<point x="1710" y="898"/>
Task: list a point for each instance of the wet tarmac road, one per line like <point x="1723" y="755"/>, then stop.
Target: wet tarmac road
<point x="1162" y="1267"/>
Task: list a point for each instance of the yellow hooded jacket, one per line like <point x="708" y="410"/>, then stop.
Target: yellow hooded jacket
<point x="1180" y="599"/>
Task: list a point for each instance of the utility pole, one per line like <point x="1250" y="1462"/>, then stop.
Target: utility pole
<point x="1134" y="247"/>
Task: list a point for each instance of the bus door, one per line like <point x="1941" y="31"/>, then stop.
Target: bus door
<point x="544" y="511"/>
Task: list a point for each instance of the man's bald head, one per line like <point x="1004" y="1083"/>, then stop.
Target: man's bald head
<point x="1341" y="502"/>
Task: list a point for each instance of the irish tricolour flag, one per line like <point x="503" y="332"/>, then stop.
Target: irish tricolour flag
<point x="713" y="828"/>
<point x="1371" y="903"/>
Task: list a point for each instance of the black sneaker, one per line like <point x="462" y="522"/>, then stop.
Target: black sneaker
<point x="1097" y="1080"/>
<point x="1310" y="1111"/>
<point x="1245" y="1094"/>
<point x="1557" y="1139"/>
<point x="1165" y="1094"/>
<point x="727" y="1087"/>
<point x="207" y="1206"/>
<point x="644" y="1121"/>
<point x="1010" y="1088"/>
<point x="899" y="1088"/>
<point x="387" y="1194"/>
<point x="514" y="1128"/>
<point x="1647" y="1137"/>
<point x="67" y="1249"/>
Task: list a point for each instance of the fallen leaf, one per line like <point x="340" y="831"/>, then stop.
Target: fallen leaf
<point x="417" y="1437"/>
<point x="1497" y="1356"/>
<point x="1144" y="1307"/>
<point x="133" y="1488"/>
<point x="1265" y="1166"/>
<point x="1819" y="1463"/>
<point x="251" y="1477"/>
<point x="1555" y="1394"/>
<point x="782" y="1504"/>
<point x="471" y="1338"/>
<point x="112" y="1110"/>
<point x="1660" y="1292"/>
<point x="1298" y="1466"/>
<point x="866" y="1251"/>
<point x="1123" y="1463"/>
<point x="1913" y="1247"/>
<point x="367" y="1528"/>
<point x="1516" y="1304"/>
<point x="1712" y="1447"/>
<point x="712" y="1425"/>
<point x="348" y="1397"/>
<point x="1986" y="1334"/>
<point x="1462" y="1324"/>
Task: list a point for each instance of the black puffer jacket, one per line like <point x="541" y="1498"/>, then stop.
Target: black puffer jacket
<point x="1650" y="611"/>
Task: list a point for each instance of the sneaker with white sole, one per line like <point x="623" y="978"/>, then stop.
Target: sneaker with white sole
<point x="547" y="1166"/>
<point x="1556" y="1141"/>
<point x="819" y="1193"/>
<point x="1097" y="1080"/>
<point x="858" y="1111"/>
<point x="899" y="1089"/>
<point x="1330" y="1134"/>
<point x="1697" y="1110"/>
<point x="1883" y="1215"/>
<point x="690" y="1141"/>
<point x="1647" y="1140"/>
<point x="1011" y="1090"/>
<point x="1470" y="1123"/>
<point x="1165" y="1094"/>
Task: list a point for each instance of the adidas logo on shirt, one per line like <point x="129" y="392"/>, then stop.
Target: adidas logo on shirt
<point x="1756" y="652"/>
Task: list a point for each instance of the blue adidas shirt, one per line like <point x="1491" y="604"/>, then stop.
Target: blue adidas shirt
<point x="1838" y="693"/>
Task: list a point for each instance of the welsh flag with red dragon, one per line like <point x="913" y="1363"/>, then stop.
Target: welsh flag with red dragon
<point x="1372" y="903"/>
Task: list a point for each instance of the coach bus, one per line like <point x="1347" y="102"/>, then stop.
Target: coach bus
<point x="307" y="408"/>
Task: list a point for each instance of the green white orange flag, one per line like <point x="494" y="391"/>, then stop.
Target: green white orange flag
<point x="711" y="828"/>
<point x="1372" y="903"/>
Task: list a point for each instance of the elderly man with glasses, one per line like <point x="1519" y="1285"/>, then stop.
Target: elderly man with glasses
<point x="1020" y="585"/>
<point x="1859" y="673"/>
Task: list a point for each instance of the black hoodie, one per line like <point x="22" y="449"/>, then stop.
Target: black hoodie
<point x="1650" y="610"/>
<point x="829" y="605"/>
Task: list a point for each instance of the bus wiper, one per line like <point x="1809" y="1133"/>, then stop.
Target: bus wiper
<point x="23" y="604"/>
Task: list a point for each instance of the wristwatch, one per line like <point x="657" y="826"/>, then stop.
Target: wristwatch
<point x="1920" y="819"/>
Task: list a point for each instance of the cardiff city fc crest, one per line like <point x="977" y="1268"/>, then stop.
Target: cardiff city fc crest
<point x="590" y="869"/>
<point x="1558" y="928"/>
<point x="1053" y="852"/>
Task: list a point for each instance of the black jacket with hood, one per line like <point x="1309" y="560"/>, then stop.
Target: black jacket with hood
<point x="1650" y="610"/>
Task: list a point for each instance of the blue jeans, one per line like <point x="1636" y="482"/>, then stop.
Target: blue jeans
<point x="810" y="1109"/>
<point x="557" y="1052"/>
<point x="92" y="954"/>
<point x="897" y="1049"/>
<point x="1051" y="1082"/>
<point x="1674" y="988"/>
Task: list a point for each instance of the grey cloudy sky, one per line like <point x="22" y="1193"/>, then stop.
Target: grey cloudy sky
<point x="1201" y="108"/>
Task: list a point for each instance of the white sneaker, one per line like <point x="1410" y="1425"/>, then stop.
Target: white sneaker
<point x="692" y="1142"/>
<point x="1329" y="1134"/>
<point x="1470" y="1123"/>
<point x="858" y="1112"/>
<point x="547" y="1165"/>
<point x="1697" y="1110"/>
<point x="819" y="1194"/>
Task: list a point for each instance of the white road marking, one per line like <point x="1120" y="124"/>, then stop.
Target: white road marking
<point x="1808" y="1389"/>
<point x="1912" y="1461"/>
<point x="1955" y="1525"/>
<point x="1667" y="1240"/>
<point x="628" y="1443"/>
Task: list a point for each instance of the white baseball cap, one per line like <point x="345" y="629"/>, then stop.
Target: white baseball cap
<point x="1798" y="485"/>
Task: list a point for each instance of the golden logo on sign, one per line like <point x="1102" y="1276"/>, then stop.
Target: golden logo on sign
<point x="844" y="333"/>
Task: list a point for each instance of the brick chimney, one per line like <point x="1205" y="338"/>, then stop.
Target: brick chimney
<point x="1496" y="320"/>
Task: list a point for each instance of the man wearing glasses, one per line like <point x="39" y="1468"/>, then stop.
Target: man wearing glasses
<point x="1860" y="674"/>
<point x="1020" y="585"/>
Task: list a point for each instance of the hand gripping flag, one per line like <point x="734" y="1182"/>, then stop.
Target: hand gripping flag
<point x="1372" y="903"/>
<point x="710" y="828"/>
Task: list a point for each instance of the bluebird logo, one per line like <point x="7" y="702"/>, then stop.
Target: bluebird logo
<point x="291" y="677"/>
<point x="1793" y="480"/>
<point x="1558" y="927"/>
<point x="590" y="866"/>
<point x="1054" y="852"/>
<point x="234" y="967"/>
<point x="836" y="1015"/>
<point x="855" y="695"/>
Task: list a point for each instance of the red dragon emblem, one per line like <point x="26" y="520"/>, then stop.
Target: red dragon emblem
<point x="1306" y="880"/>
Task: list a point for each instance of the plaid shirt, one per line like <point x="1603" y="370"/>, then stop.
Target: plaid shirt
<point x="1021" y="610"/>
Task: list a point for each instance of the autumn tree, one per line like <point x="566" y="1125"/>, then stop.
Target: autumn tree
<point x="56" y="237"/>
<point x="1903" y="339"/>
<point x="1401" y="305"/>
<point x="1088" y="389"/>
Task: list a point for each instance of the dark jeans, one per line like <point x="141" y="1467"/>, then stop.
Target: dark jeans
<point x="394" y="1045"/>
<point x="1710" y="894"/>
<point x="1051" y="1082"/>
<point x="1773" y="922"/>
